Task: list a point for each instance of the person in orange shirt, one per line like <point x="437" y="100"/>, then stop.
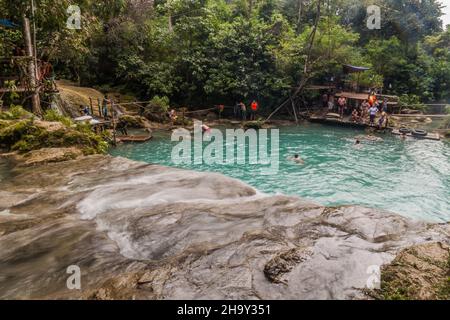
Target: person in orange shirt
<point x="254" y="109"/>
<point x="372" y="98"/>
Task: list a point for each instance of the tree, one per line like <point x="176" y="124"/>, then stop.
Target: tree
<point x="204" y="51"/>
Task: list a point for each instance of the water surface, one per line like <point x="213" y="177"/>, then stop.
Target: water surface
<point x="409" y="177"/>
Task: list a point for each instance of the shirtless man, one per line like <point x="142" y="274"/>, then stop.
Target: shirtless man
<point x="342" y="103"/>
<point x="297" y="159"/>
<point x="357" y="144"/>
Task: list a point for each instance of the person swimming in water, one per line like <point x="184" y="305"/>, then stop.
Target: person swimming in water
<point x="296" y="158"/>
<point x="205" y="128"/>
<point x="369" y="137"/>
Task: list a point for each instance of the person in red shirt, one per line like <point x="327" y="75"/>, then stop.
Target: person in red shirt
<point x="254" y="109"/>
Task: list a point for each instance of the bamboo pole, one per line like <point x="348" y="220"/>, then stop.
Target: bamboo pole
<point x="31" y="67"/>
<point x="113" y="117"/>
<point x="91" y="106"/>
<point x="277" y="109"/>
<point x="33" y="10"/>
<point x="295" y="112"/>
<point x="99" y="107"/>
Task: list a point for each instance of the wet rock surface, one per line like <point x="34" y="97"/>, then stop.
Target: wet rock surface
<point x="140" y="231"/>
<point x="47" y="155"/>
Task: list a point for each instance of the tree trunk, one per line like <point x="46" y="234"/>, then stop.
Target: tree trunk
<point x="295" y="112"/>
<point x="313" y="37"/>
<point x="170" y="23"/>
<point x="306" y="72"/>
<point x="31" y="67"/>
<point x="300" y="14"/>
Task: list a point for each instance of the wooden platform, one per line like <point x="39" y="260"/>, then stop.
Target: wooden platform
<point x="420" y="115"/>
<point x="348" y="124"/>
<point x="131" y="138"/>
<point x="430" y="136"/>
<point x="343" y="123"/>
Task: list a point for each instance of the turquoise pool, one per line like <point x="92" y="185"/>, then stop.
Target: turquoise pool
<point x="409" y="177"/>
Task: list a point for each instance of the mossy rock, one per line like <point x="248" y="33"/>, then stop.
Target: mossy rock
<point x="254" y="125"/>
<point x="25" y="135"/>
<point x="417" y="273"/>
<point x="16" y="130"/>
<point x="131" y="121"/>
<point x="183" y="122"/>
<point x="4" y="123"/>
<point x="135" y="121"/>
<point x="156" y="117"/>
<point x="444" y="291"/>
<point x="48" y="155"/>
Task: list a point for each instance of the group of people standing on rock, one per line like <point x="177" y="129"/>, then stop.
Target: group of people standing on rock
<point x="367" y="111"/>
<point x="370" y="109"/>
<point x="240" y="111"/>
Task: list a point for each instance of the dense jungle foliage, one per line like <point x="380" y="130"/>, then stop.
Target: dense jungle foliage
<point x="199" y="52"/>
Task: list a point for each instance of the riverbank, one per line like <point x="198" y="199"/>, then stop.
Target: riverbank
<point x="140" y="231"/>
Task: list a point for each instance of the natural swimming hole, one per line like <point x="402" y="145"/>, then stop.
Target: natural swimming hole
<point x="409" y="177"/>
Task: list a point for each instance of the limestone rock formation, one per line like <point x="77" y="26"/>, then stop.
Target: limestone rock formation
<point x="140" y="231"/>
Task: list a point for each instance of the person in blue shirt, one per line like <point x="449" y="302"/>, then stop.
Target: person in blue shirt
<point x="86" y="111"/>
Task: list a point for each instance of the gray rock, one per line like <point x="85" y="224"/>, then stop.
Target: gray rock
<point x="141" y="231"/>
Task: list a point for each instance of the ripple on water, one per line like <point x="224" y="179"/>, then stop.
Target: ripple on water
<point x="408" y="177"/>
